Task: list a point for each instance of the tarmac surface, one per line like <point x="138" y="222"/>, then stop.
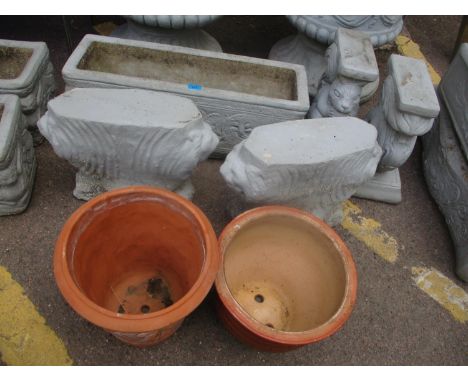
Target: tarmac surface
<point x="393" y="323"/>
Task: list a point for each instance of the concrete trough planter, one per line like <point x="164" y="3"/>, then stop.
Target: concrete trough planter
<point x="136" y="261"/>
<point x="17" y="159"/>
<point x="286" y="279"/>
<point x="26" y="71"/>
<point x="234" y="93"/>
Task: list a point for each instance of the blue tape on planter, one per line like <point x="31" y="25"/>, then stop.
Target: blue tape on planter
<point x="194" y="86"/>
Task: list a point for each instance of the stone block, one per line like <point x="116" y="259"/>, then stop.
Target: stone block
<point x="234" y="93"/>
<point x="313" y="165"/>
<point x="17" y="159"/>
<point x="124" y="137"/>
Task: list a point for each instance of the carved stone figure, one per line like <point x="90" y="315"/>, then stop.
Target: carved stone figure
<point x="17" y="159"/>
<point x="351" y="64"/>
<point x="26" y="71"/>
<point x="123" y="137"/>
<point x="182" y="30"/>
<point x="406" y="110"/>
<point x="234" y="93"/>
<point x="445" y="157"/>
<point x="317" y="32"/>
<point x="313" y="165"/>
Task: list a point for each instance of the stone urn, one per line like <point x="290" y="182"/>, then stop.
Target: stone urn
<point x="182" y="30"/>
<point x="136" y="261"/>
<point x="286" y="279"/>
<point x="317" y="32"/>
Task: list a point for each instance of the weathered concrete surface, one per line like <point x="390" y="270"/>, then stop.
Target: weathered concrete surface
<point x="394" y="322"/>
<point x="125" y="137"/>
<point x="314" y="165"/>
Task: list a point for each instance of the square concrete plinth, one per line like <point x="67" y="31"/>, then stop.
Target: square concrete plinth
<point x="383" y="187"/>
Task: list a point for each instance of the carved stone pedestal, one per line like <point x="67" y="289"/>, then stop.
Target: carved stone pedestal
<point x="118" y="138"/>
<point x="172" y="30"/>
<point x="445" y="157"/>
<point x="317" y="32"/>
<point x="312" y="165"/>
<point x="406" y="110"/>
<point x="351" y="64"/>
<point x="26" y="71"/>
<point x="17" y="159"/>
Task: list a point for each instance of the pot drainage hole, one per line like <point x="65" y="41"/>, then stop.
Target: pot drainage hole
<point x="149" y="295"/>
<point x="259" y="298"/>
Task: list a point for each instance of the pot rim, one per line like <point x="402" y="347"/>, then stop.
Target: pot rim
<point x="134" y="323"/>
<point x="274" y="335"/>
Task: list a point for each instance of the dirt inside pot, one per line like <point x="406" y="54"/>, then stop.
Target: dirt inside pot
<point x="185" y="68"/>
<point x="284" y="273"/>
<point x="13" y="61"/>
<point x="1" y="112"/>
<point x="139" y="257"/>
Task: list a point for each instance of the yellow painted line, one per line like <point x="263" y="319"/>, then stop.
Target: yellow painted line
<point x="370" y="232"/>
<point x="25" y="338"/>
<point x="409" y="48"/>
<point x="443" y="290"/>
<point x="106" y="28"/>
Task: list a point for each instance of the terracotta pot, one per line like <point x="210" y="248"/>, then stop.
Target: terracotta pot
<point x="286" y="280"/>
<point x="136" y="261"/>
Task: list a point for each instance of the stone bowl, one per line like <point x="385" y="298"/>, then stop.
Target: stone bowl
<point x="286" y="279"/>
<point x="136" y="261"/>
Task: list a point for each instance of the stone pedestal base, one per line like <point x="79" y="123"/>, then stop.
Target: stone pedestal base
<point x="301" y="50"/>
<point x="383" y="187"/>
<point x="190" y="38"/>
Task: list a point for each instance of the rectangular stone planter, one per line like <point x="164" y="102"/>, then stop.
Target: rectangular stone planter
<point x="17" y="159"/>
<point x="234" y="93"/>
<point x="26" y="71"/>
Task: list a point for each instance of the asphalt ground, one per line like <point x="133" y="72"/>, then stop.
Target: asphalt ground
<point x="394" y="321"/>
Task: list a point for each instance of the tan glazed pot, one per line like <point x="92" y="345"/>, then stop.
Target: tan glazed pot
<point x="286" y="279"/>
<point x="136" y="261"/>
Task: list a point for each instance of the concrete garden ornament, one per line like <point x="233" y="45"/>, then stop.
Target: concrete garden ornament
<point x="234" y="93"/>
<point x="26" y="71"/>
<point x="123" y="137"/>
<point x="17" y="159"/>
<point x="317" y="32"/>
<point x="181" y="30"/>
<point x="312" y="165"/>
<point x="351" y="64"/>
<point x="406" y="110"/>
<point x="445" y="157"/>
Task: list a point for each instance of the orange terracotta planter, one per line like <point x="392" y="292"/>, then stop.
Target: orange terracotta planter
<point x="286" y="279"/>
<point x="136" y="261"/>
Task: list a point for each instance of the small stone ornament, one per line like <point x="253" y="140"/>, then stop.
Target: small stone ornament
<point x="406" y="110"/>
<point x="17" y="159"/>
<point x="312" y="165"/>
<point x="351" y="64"/>
<point x="123" y="137"/>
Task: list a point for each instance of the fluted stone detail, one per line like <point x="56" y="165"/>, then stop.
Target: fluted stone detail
<point x="177" y="30"/>
<point x="313" y="165"/>
<point x="17" y="158"/>
<point x="118" y="138"/>
<point x="34" y="84"/>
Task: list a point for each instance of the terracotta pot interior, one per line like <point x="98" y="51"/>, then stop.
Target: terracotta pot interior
<point x="186" y="68"/>
<point x="136" y="254"/>
<point x="13" y="61"/>
<point x="285" y="273"/>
